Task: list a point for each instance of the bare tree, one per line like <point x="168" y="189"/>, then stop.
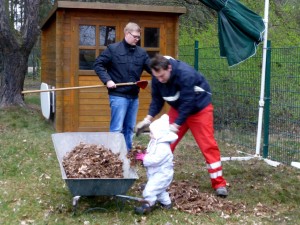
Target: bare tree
<point x="15" y="45"/>
<point x="1" y="67"/>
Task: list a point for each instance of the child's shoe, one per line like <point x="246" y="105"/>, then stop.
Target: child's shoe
<point x="167" y="207"/>
<point x="144" y="209"/>
<point x="142" y="186"/>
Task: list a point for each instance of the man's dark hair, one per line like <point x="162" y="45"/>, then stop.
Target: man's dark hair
<point x="159" y="62"/>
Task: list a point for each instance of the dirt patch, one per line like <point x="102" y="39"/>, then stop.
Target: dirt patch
<point x="92" y="161"/>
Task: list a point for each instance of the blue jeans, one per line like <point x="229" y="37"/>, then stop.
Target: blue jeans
<point x="123" y="113"/>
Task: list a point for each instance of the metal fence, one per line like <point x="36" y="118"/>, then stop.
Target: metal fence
<point x="236" y="92"/>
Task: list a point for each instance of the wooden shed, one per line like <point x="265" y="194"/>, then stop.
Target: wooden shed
<point x="75" y="33"/>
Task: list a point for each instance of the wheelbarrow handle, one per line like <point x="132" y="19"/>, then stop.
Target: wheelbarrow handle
<point x="133" y="198"/>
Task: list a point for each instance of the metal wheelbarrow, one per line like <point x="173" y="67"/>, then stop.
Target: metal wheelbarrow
<point x="65" y="142"/>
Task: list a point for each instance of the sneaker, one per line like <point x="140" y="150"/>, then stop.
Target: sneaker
<point x="142" y="186"/>
<point x="221" y="192"/>
<point x="144" y="209"/>
<point x="167" y="207"/>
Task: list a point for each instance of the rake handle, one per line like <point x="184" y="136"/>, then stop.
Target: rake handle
<point x="73" y="88"/>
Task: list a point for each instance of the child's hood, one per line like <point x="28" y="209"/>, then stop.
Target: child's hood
<point x="160" y="129"/>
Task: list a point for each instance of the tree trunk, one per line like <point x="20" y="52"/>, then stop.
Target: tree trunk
<point x="1" y="68"/>
<point x="16" y="46"/>
<point x="15" y="67"/>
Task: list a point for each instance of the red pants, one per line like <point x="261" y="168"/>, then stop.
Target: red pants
<point x="202" y="128"/>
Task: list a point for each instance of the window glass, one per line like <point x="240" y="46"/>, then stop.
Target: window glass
<point x="151" y="37"/>
<point x="87" y="35"/>
<point x="107" y="35"/>
<point x="86" y="59"/>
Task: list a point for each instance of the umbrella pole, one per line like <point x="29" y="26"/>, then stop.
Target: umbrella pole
<point x="262" y="88"/>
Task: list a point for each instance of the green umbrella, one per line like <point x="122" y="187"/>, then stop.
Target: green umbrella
<point x="240" y="29"/>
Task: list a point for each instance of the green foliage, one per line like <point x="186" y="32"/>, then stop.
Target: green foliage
<point x="206" y="37"/>
<point x="45" y="7"/>
<point x="284" y="24"/>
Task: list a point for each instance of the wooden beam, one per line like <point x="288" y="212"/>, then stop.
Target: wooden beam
<point x="121" y="7"/>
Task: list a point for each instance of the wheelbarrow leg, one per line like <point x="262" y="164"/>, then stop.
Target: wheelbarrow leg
<point x="120" y="202"/>
<point x="75" y="203"/>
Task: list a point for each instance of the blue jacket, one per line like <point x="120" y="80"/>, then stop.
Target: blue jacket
<point x="122" y="63"/>
<point x="187" y="91"/>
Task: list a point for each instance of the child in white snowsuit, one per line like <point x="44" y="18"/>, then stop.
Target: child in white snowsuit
<point x="158" y="161"/>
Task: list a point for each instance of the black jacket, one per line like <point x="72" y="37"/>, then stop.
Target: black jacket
<point x="122" y="63"/>
<point x="187" y="91"/>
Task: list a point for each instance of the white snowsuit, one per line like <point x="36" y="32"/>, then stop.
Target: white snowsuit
<point x="159" y="162"/>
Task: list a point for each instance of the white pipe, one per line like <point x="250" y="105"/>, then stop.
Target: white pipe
<point x="296" y="164"/>
<point x="272" y="163"/>
<point x="236" y="158"/>
<point x="262" y="87"/>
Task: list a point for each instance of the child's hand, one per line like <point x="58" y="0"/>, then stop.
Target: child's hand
<point x="140" y="156"/>
<point x="174" y="128"/>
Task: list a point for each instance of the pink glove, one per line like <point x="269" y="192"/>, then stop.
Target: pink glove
<point x="140" y="156"/>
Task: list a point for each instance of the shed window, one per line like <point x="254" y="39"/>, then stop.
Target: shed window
<point x="86" y="59"/>
<point x="151" y="37"/>
<point x="93" y="39"/>
<point x="107" y="35"/>
<point x="87" y="35"/>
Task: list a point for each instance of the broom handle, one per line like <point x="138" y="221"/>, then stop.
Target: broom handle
<point x="73" y="88"/>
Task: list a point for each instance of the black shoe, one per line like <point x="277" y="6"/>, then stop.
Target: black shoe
<point x="142" y="186"/>
<point x="221" y="192"/>
<point x="144" y="209"/>
<point x="167" y="207"/>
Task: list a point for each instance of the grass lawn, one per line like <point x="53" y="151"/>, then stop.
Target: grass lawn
<point x="33" y="192"/>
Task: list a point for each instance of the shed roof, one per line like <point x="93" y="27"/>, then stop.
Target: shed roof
<point x="113" y="6"/>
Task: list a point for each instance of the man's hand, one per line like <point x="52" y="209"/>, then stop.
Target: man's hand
<point x="111" y="84"/>
<point x="141" y="126"/>
<point x="174" y="128"/>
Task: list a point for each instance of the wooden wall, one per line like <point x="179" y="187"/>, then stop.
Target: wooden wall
<point x="48" y="57"/>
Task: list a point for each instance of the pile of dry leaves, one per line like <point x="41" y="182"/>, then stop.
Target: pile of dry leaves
<point x="92" y="161"/>
<point x="187" y="197"/>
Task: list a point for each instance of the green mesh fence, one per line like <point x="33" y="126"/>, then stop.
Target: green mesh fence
<point x="236" y="93"/>
<point x="284" y="134"/>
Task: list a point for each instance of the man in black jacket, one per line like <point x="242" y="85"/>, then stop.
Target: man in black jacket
<point x="123" y="62"/>
<point x="188" y="93"/>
